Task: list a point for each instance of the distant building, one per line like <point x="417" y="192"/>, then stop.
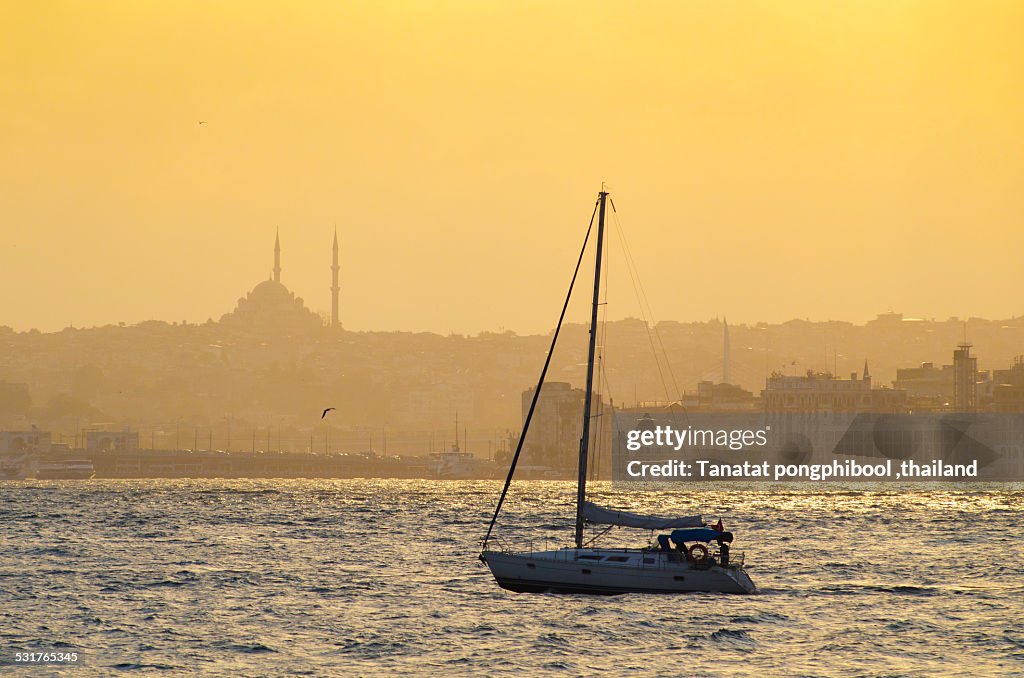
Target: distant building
<point x="889" y="318"/>
<point x="557" y="425"/>
<point x="1007" y="391"/>
<point x="33" y="440"/>
<point x="104" y="441"/>
<point x="724" y="397"/>
<point x="926" y="382"/>
<point x="709" y="398"/>
<point x="958" y="387"/>
<point x="965" y="379"/>
<point x="821" y="392"/>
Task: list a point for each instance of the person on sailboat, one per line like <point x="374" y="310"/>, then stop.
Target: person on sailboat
<point x="677" y="553"/>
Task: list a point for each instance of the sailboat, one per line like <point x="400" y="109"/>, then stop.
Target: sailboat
<point x="681" y="562"/>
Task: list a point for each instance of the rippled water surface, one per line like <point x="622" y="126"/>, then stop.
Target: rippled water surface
<point x="363" y="577"/>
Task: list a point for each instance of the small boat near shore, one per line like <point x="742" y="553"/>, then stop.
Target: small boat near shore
<point x="454" y="465"/>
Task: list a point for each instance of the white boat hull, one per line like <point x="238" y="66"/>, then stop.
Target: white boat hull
<point x="71" y="469"/>
<point x="589" y="571"/>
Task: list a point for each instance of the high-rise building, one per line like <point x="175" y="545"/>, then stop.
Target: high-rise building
<point x="965" y="379"/>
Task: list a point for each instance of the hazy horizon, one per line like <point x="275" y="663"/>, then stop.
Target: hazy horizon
<point x="540" y="331"/>
<point x="769" y="161"/>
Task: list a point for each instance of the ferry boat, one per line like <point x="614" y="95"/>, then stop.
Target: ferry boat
<point x="69" y="469"/>
<point x="454" y="465"/>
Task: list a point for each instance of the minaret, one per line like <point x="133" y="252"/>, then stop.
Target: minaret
<point x="277" y="257"/>
<point x="334" y="282"/>
<point x="725" y="354"/>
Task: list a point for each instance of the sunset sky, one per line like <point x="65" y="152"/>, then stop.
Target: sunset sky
<point x="769" y="160"/>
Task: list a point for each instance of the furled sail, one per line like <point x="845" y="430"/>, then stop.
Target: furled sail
<point x="596" y="515"/>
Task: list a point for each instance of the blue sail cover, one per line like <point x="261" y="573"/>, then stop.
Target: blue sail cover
<point x="595" y="515"/>
<point x="698" y="534"/>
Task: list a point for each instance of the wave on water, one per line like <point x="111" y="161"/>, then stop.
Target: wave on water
<point x="381" y="577"/>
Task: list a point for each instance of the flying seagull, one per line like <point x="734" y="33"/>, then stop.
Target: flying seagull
<point x="202" y="122"/>
<point x="325" y="412"/>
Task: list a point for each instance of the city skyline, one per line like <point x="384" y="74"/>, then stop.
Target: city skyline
<point x="298" y="345"/>
<point x="767" y="162"/>
<point x="332" y="317"/>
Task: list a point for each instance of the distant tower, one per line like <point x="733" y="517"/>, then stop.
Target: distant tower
<point x="965" y="377"/>
<point x="726" y="376"/>
<point x="334" y="283"/>
<point x="867" y="375"/>
<point x="277" y="258"/>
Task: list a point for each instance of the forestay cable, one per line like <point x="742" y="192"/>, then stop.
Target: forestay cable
<point x="540" y="382"/>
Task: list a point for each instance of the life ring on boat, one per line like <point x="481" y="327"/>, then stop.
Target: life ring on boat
<point x="695" y="549"/>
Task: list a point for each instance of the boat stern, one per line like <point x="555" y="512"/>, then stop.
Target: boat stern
<point x="742" y="580"/>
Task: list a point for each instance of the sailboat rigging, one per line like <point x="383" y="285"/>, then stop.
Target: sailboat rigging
<point x="671" y="567"/>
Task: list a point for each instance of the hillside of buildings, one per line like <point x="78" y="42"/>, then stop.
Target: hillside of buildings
<point x="250" y="381"/>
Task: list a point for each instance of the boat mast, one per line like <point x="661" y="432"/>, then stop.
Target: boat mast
<point x="581" y="481"/>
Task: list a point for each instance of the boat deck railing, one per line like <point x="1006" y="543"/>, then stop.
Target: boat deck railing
<point x="558" y="551"/>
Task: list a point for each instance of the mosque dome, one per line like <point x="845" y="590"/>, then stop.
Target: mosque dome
<point x="270" y="291"/>
<point x="272" y="307"/>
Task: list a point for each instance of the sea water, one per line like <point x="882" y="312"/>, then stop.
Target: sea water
<point x="367" y="577"/>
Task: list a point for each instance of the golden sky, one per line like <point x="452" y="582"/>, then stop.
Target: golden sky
<point x="769" y="160"/>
